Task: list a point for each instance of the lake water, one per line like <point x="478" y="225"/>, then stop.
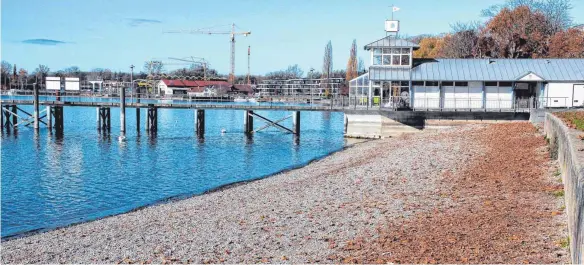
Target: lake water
<point x="51" y="180"/>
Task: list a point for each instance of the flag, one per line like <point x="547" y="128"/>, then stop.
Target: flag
<point x="395" y="9"/>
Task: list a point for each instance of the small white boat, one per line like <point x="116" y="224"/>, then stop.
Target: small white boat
<point x="240" y="100"/>
<point x="252" y="100"/>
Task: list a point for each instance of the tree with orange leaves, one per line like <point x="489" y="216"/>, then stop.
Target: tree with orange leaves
<point x="519" y="33"/>
<point x="430" y="47"/>
<point x="567" y="44"/>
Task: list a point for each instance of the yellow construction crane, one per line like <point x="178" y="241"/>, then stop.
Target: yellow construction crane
<point x="231" y="33"/>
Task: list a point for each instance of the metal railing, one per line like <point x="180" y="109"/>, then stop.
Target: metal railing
<point x="334" y="102"/>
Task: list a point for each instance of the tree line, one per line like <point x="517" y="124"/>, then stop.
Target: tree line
<point x="515" y="29"/>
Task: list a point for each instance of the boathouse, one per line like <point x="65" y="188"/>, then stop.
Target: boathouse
<point x="396" y="80"/>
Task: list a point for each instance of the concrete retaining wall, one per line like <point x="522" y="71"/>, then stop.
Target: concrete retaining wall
<point x="380" y="124"/>
<point x="565" y="146"/>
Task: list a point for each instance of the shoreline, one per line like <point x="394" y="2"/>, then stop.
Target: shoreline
<point x="346" y="208"/>
<point x="180" y="197"/>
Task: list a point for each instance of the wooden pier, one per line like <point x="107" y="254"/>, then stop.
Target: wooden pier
<point x="54" y="119"/>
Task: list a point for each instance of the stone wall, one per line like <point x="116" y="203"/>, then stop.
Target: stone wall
<point x="569" y="150"/>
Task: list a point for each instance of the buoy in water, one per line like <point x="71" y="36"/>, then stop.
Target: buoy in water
<point x="223" y="131"/>
<point x="122" y="138"/>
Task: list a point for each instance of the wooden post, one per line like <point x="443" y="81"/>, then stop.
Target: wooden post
<point x="148" y="119"/>
<point x="59" y="123"/>
<point x="155" y="119"/>
<point x="248" y="121"/>
<point x="1" y="118"/>
<point x="98" y="109"/>
<point x="122" y="110"/>
<point x="35" y="114"/>
<point x="109" y="119"/>
<point x="137" y="118"/>
<point x="296" y="122"/>
<point x="14" y="117"/>
<point x="200" y="122"/>
<point x="152" y="119"/>
<point x="49" y="118"/>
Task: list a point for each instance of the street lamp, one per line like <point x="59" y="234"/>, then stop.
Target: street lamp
<point x="311" y="100"/>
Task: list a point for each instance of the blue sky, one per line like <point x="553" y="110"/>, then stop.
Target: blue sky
<point x="117" y="33"/>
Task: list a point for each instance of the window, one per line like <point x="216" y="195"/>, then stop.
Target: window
<point x="392" y="56"/>
<point x="405" y="60"/>
<point x="386" y="60"/>
<point x="461" y="84"/>
<point x="490" y="83"/>
<point x="377" y="59"/>
<point x="508" y="84"/>
<point x="395" y="60"/>
<point x="431" y="83"/>
<point x="447" y="83"/>
<point x="417" y="83"/>
<point x="399" y="87"/>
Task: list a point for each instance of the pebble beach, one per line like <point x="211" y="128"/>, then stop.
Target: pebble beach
<point x="468" y="194"/>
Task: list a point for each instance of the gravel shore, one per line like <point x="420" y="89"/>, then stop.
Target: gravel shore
<point x="339" y="209"/>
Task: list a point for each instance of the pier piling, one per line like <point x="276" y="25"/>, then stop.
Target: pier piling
<point x="152" y="119"/>
<point x="137" y="91"/>
<point x="49" y="118"/>
<point x="104" y="119"/>
<point x="58" y="116"/>
<point x="122" y="110"/>
<point x="98" y="109"/>
<point x="248" y="122"/>
<point x="138" y="119"/>
<point x="35" y="114"/>
<point x="200" y="124"/>
<point x="14" y="117"/>
<point x="296" y="122"/>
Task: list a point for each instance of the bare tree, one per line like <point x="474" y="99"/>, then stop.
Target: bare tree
<point x="462" y="41"/>
<point x="153" y="67"/>
<point x="5" y="70"/>
<point x="327" y="65"/>
<point x="41" y="72"/>
<point x="72" y="71"/>
<point x="292" y="72"/>
<point x="22" y="77"/>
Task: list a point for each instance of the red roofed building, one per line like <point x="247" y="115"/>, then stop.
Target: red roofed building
<point x="172" y="87"/>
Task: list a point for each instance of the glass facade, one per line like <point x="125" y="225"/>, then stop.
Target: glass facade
<point x="391" y="56"/>
<point x="359" y="90"/>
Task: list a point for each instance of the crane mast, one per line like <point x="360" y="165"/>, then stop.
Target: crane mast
<point x="248" y="67"/>
<point x="232" y="60"/>
<point x="231" y="34"/>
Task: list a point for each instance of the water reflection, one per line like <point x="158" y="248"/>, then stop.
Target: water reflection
<point x="80" y="173"/>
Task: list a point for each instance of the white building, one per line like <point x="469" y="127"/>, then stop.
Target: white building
<point x="397" y="80"/>
<point x="301" y="86"/>
<point x="171" y="87"/>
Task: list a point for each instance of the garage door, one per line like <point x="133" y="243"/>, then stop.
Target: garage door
<point x="578" y="100"/>
<point x="426" y="97"/>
